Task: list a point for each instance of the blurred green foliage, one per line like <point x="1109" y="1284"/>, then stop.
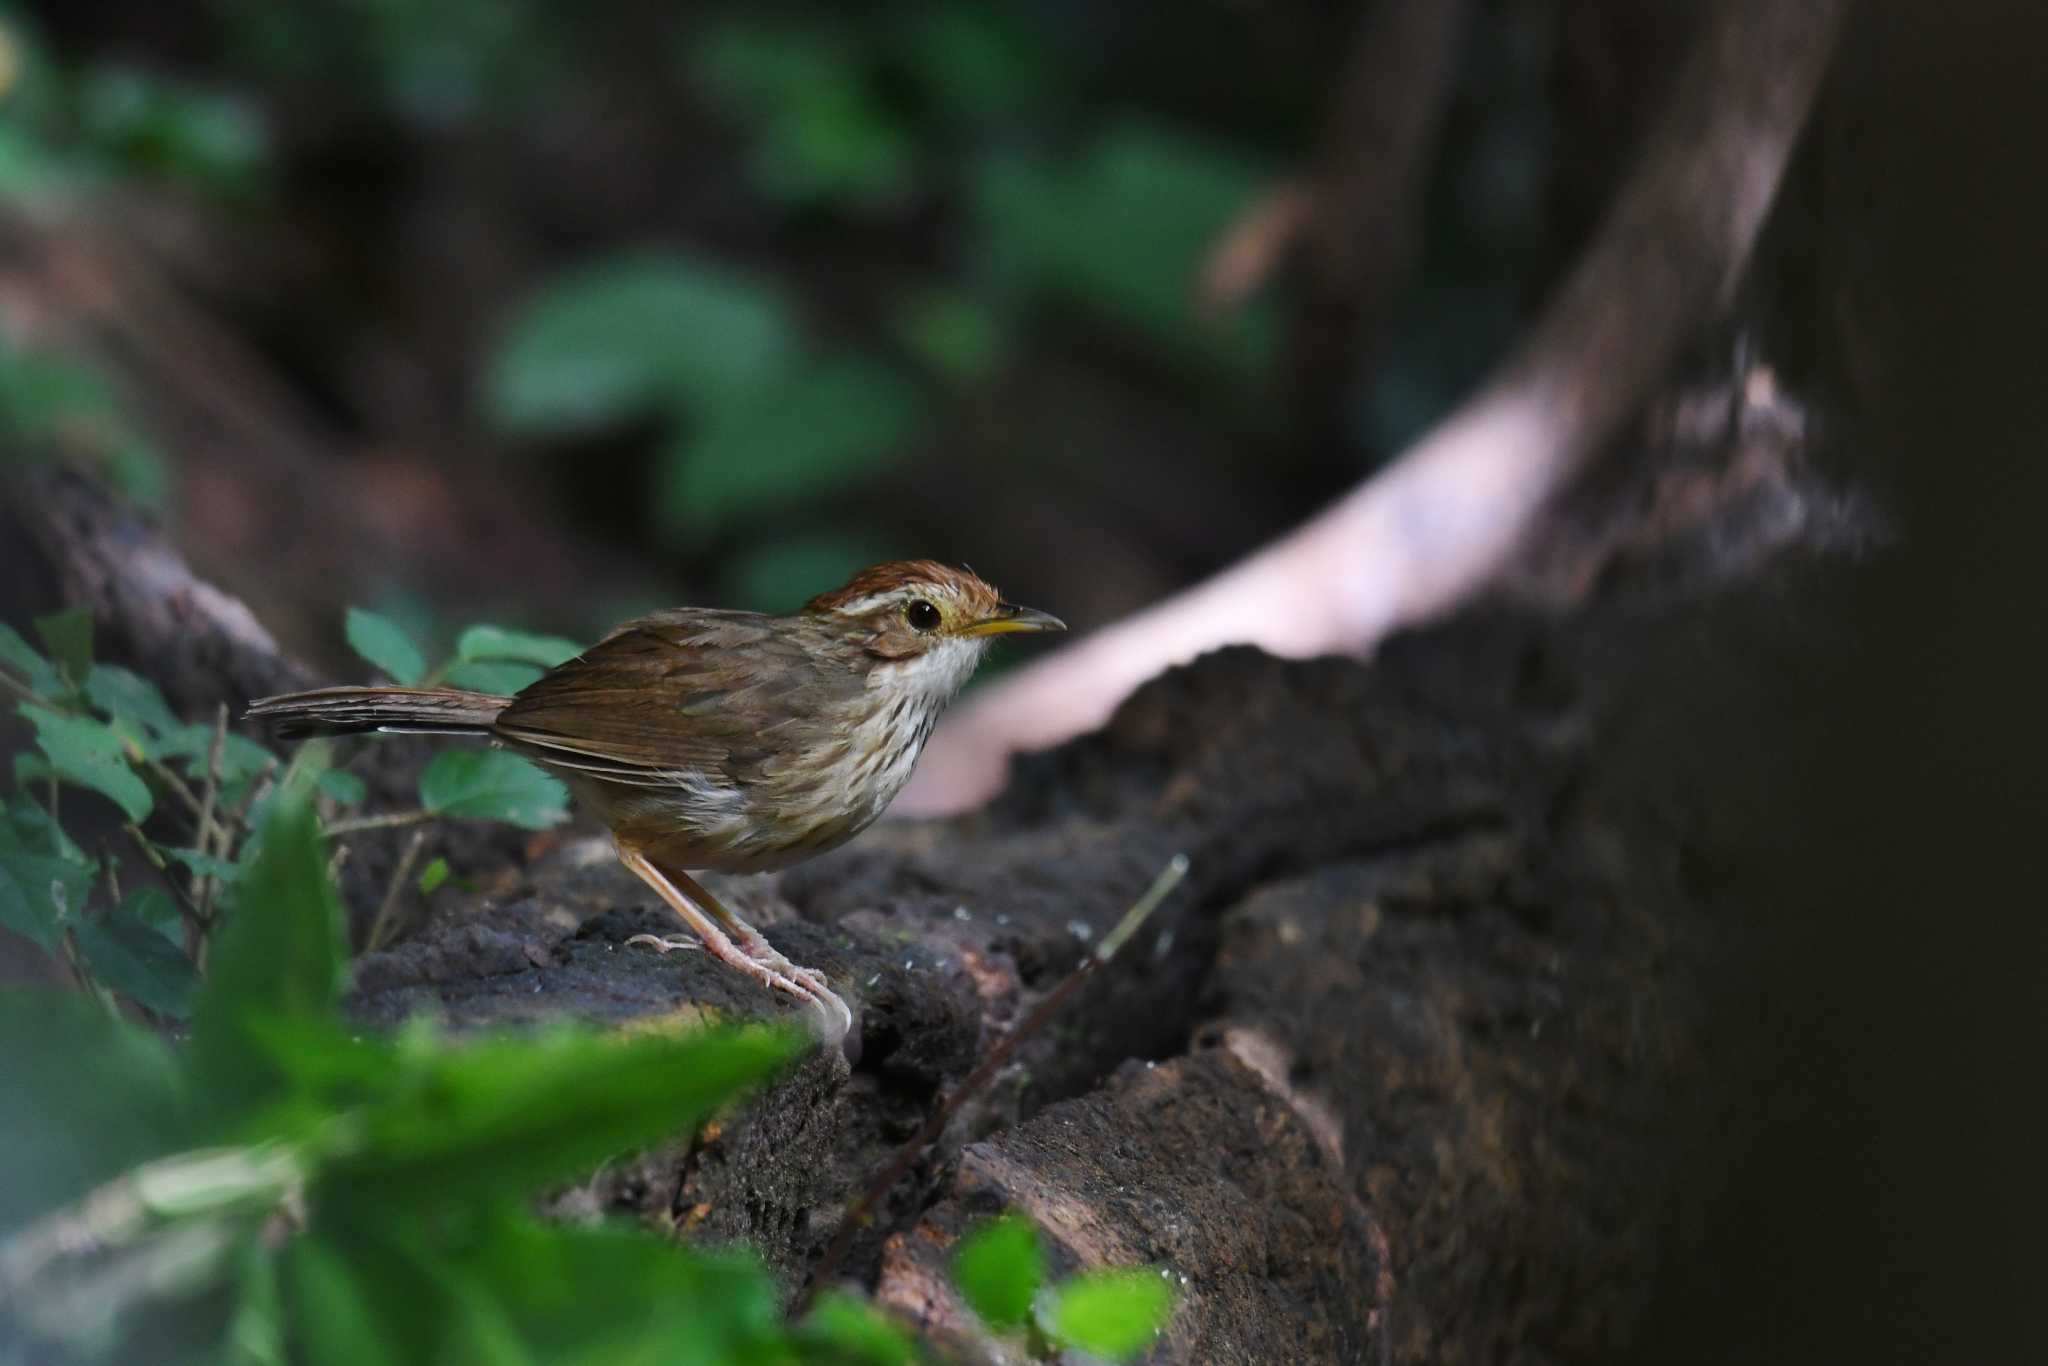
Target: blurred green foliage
<point x="64" y="127"/>
<point x="284" y="1188"/>
<point x="101" y="729"/>
<point x="1111" y="1315"/>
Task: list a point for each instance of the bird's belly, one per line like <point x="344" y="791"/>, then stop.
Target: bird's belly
<point x="704" y="823"/>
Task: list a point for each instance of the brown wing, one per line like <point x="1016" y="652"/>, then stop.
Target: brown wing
<point x="690" y="690"/>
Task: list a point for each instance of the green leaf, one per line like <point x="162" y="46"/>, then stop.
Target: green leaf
<point x="21" y="659"/>
<point x="255" y="1335"/>
<point x="131" y="701"/>
<point x="953" y="333"/>
<point x="39" y="892"/>
<point x="345" y="788"/>
<point x="496" y="1117"/>
<point x="206" y="865"/>
<point x="495" y="642"/>
<point x="824" y="132"/>
<point x="1121" y="233"/>
<point x="491" y="785"/>
<point x="806" y="437"/>
<point x="782" y="575"/>
<point x="1112" y="1314"/>
<point x="849" y="1330"/>
<point x="381" y="641"/>
<point x="486" y="675"/>
<point x="434" y="875"/>
<point x="341" y="1319"/>
<point x="67" y="635"/>
<point x="280" y="956"/>
<point x="627" y="337"/>
<point x="594" y="1297"/>
<point x="153" y="907"/>
<point x="137" y="961"/>
<point x="999" y="1268"/>
<point x="87" y="1096"/>
<point x="90" y="754"/>
<point x="240" y="757"/>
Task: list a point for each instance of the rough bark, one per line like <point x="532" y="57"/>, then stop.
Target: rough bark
<point x="1381" y="1080"/>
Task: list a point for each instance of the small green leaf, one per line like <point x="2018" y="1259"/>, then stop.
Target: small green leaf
<point x="130" y="700"/>
<point x="953" y="333"/>
<point x="999" y="1268"/>
<point x="381" y="641"/>
<point x="491" y="785"/>
<point x="87" y="1096"/>
<point x="280" y="956"/>
<point x="345" y="788"/>
<point x="40" y="892"/>
<point x="90" y="754"/>
<point x="67" y="635"/>
<point x="435" y="874"/>
<point x="206" y="865"/>
<point x="495" y="642"/>
<point x="807" y="437"/>
<point x="255" y="1335"/>
<point x="1113" y="1314"/>
<point x="854" y="1331"/>
<point x="341" y="1320"/>
<point x="498" y="1116"/>
<point x="21" y="659"/>
<point x="781" y="575"/>
<point x="488" y="675"/>
<point x="627" y="337"/>
<point x="153" y="907"/>
<point x="137" y="961"/>
<point x="240" y="757"/>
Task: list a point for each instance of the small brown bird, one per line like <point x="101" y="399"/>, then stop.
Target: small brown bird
<point x="730" y="741"/>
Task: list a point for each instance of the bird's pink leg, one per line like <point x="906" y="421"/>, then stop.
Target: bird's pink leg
<point x="733" y="940"/>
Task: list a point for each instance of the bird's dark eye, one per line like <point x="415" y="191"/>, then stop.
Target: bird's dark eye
<point x="921" y="615"/>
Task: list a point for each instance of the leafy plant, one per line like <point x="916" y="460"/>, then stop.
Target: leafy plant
<point x="718" y="356"/>
<point x="105" y="730"/>
<point x="72" y="128"/>
<point x="1120" y="231"/>
<point x="283" y="1188"/>
<point x="471" y="784"/>
<point x="1113" y="1314"/>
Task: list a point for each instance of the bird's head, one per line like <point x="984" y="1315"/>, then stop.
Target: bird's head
<point x="923" y="623"/>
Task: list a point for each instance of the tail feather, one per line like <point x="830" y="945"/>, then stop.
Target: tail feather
<point x="346" y="711"/>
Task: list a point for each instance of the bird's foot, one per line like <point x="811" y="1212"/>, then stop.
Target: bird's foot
<point x="666" y="946"/>
<point x="760" y="960"/>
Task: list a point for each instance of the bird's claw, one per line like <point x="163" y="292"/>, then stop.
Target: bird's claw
<point x="666" y="946"/>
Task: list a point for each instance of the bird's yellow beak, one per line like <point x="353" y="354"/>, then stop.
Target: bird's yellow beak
<point x="1007" y="618"/>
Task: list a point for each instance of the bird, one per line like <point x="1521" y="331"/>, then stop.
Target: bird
<point x="706" y="739"/>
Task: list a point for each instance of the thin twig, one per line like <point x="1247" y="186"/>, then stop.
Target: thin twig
<point x="171" y="780"/>
<point x="385" y="822"/>
<point x="399" y="875"/>
<point x="240" y="820"/>
<point x="935" y="1123"/>
<point x="210" y="793"/>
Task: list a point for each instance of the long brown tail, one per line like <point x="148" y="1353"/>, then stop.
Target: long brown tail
<point x="413" y="711"/>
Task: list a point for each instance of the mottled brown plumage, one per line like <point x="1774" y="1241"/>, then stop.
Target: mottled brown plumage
<point x="732" y="741"/>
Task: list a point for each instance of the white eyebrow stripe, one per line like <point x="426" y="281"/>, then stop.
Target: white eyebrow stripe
<point x="873" y="600"/>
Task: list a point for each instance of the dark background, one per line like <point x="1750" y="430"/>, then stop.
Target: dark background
<point x="377" y="329"/>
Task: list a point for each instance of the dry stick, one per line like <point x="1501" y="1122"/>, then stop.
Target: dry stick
<point x="389" y="822"/>
<point x="935" y="1124"/>
<point x="398" y="876"/>
<point x="1442" y="521"/>
<point x="203" y="839"/>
